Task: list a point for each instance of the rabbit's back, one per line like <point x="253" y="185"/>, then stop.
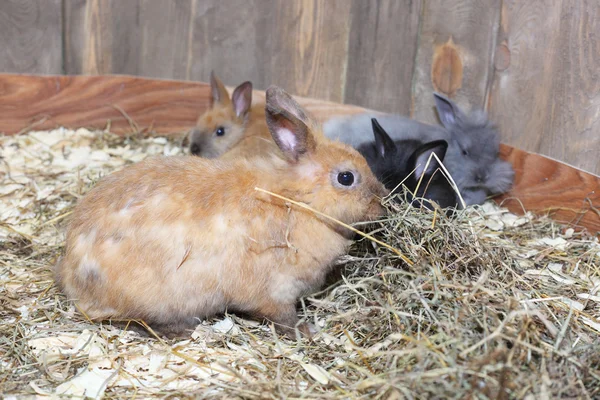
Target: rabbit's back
<point x="173" y="238"/>
<point x="143" y="244"/>
<point x="356" y="130"/>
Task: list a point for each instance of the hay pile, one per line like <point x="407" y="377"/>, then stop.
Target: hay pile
<point x="494" y="306"/>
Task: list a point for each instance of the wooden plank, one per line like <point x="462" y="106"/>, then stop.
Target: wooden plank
<point x="542" y="184"/>
<point x="149" y="38"/>
<point x="30" y="33"/>
<point x="74" y="34"/>
<point x="237" y="52"/>
<point x="92" y="101"/>
<point x="102" y="36"/>
<point x="456" y="44"/>
<point x="298" y="45"/>
<point x="166" y="39"/>
<point x="164" y="106"/>
<point x="546" y="92"/>
<point x="381" y="54"/>
<point x="301" y="45"/>
<point x="309" y="47"/>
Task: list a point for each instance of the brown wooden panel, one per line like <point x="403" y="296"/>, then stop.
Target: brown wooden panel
<point x="309" y="47"/>
<point x="301" y="45"/>
<point x="456" y="44"/>
<point x="381" y="54"/>
<point x="91" y="101"/>
<point x="166" y="38"/>
<point x="233" y="38"/>
<point x="103" y="36"/>
<point x="73" y="101"/>
<point x="145" y="38"/>
<point x="30" y="36"/>
<point x="541" y="184"/>
<point x="546" y="92"/>
<point x="74" y="36"/>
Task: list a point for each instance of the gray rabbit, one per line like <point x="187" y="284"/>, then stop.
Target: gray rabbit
<point x="473" y="145"/>
<point x="403" y="162"/>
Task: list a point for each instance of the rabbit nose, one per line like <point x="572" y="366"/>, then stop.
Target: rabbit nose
<point x="195" y="149"/>
<point x="480" y="176"/>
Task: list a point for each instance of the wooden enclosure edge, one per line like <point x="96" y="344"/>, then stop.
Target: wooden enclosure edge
<point x="542" y="185"/>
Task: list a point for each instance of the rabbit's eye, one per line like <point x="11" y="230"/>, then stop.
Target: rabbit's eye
<point x="465" y="153"/>
<point x="346" y="178"/>
<point x="220" y="131"/>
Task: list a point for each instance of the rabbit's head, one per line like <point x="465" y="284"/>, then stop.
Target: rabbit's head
<point x="473" y="151"/>
<point x="221" y="127"/>
<point x="403" y="163"/>
<point x="331" y="177"/>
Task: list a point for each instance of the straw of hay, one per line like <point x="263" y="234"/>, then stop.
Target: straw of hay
<point x="494" y="306"/>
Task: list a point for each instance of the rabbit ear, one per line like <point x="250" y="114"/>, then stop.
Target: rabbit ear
<point x="288" y="124"/>
<point x="218" y="91"/>
<point x="383" y="142"/>
<point x="418" y="160"/>
<point x="448" y="111"/>
<point x="242" y="98"/>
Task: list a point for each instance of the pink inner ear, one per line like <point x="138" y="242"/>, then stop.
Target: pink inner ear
<point x="240" y="105"/>
<point x="287" y="138"/>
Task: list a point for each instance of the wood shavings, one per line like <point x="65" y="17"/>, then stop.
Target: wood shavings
<point x="88" y="383"/>
<point x="512" y="294"/>
<point x="317" y="373"/>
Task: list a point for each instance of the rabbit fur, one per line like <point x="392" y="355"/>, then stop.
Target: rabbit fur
<point x="403" y="162"/>
<point x="473" y="145"/>
<point x="173" y="239"/>
<point x="231" y="125"/>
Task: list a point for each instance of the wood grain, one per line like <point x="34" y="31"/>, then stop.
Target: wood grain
<point x="472" y="28"/>
<point x="237" y="51"/>
<point x="145" y="38"/>
<point x="164" y="106"/>
<point x="381" y="54"/>
<point x="103" y="36"/>
<point x="300" y="45"/>
<point x="165" y="38"/>
<point x="542" y="185"/>
<point x="546" y="92"/>
<point x="92" y="101"/>
<point x="310" y="39"/>
<point x="30" y="34"/>
<point x="532" y="64"/>
<point x="74" y="32"/>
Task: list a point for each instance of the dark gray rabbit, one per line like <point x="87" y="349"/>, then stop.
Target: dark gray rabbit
<point x="402" y="162"/>
<point x="473" y="145"/>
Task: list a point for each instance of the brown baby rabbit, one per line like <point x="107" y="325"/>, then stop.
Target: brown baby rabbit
<point x="231" y="123"/>
<point x="173" y="239"/>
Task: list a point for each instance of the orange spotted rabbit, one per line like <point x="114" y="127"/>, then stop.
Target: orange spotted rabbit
<point x="173" y="239"/>
<point x="231" y="126"/>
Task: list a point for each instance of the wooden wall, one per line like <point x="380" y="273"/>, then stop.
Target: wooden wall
<point x="533" y="64"/>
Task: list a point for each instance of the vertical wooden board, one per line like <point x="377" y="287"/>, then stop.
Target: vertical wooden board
<point x="146" y="38"/>
<point x="102" y="36"/>
<point x="74" y="36"/>
<point x="165" y="30"/>
<point x="233" y="38"/>
<point x="124" y="35"/>
<point x="30" y="33"/>
<point x="381" y="54"/>
<point x="455" y="52"/>
<point x="309" y="48"/>
<point x="546" y="92"/>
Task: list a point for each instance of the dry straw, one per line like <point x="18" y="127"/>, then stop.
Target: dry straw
<point x="493" y="305"/>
